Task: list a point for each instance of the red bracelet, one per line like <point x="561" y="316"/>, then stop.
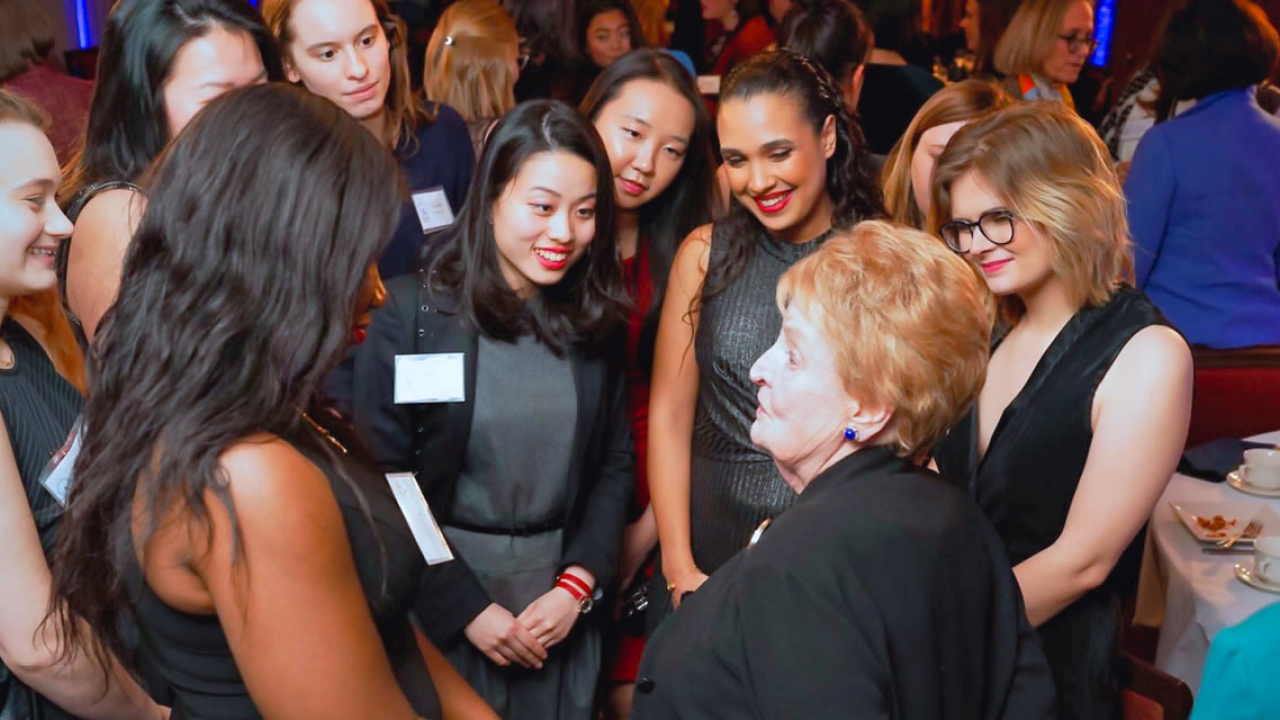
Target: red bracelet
<point x="573" y="590"/>
<point x="577" y="581"/>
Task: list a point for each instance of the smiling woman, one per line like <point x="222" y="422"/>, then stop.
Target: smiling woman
<point x="797" y="168"/>
<point x="528" y="465"/>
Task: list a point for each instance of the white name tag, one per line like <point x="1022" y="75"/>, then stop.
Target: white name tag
<point x="430" y="378"/>
<point x="56" y="476"/>
<point x="421" y="522"/>
<point x="433" y="209"/>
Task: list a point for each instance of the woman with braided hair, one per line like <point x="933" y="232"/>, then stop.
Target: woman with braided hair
<point x="796" y="165"/>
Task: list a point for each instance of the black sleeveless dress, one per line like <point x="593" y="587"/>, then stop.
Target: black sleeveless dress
<point x="39" y="407"/>
<point x="192" y="653"/>
<point x="1028" y="477"/>
<point x="733" y="485"/>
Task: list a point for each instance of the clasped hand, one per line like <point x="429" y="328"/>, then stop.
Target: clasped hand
<point x="523" y="640"/>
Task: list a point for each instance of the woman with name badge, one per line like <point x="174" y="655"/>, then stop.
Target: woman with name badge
<point x="266" y="562"/>
<point x="797" y="168"/>
<point x="41" y="375"/>
<point x="355" y="53"/>
<point x="496" y="375"/>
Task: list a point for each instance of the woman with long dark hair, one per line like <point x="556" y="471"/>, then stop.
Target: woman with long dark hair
<point x="160" y="62"/>
<point x="496" y="376"/>
<point x="797" y="168"/>
<point x="355" y="53"/>
<point x="263" y="558"/>
<point x="658" y="136"/>
<point x="41" y="375"/>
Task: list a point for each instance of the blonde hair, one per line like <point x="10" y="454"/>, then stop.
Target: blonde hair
<point x="906" y="320"/>
<point x="42" y="311"/>
<point x="1031" y="35"/>
<point x="468" y="65"/>
<point x="964" y="100"/>
<point x="1054" y="173"/>
<point x="404" y="112"/>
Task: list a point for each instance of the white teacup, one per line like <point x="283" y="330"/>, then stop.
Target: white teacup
<point x="1266" y="558"/>
<point x="1262" y="468"/>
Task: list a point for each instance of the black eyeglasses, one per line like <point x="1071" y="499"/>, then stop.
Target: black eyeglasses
<point x="995" y="225"/>
<point x="1077" y="40"/>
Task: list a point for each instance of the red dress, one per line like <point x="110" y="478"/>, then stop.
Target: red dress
<point x="626" y="663"/>
<point x="752" y="37"/>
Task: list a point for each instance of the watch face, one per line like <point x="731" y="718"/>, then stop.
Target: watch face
<point x="585" y="605"/>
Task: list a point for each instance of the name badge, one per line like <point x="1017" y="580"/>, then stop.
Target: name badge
<point x="421" y="522"/>
<point x="433" y="209"/>
<point x="56" y="476"/>
<point x="429" y="378"/>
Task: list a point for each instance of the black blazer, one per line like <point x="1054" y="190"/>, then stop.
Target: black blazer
<point x="431" y="441"/>
<point x="882" y="593"/>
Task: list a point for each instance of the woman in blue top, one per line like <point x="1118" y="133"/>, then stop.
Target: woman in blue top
<point x="1204" y="194"/>
<point x="355" y="53"/>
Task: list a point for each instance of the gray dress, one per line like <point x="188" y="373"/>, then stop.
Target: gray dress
<point x="507" y="522"/>
<point x="734" y="485"/>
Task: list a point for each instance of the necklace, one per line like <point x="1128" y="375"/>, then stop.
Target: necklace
<point x="320" y="429"/>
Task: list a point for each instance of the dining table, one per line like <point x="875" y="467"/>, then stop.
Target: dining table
<point x="1188" y="594"/>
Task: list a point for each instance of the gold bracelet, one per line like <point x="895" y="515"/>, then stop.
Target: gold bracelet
<point x="671" y="586"/>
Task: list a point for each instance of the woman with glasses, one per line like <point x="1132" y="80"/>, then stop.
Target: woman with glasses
<point x="1088" y="395"/>
<point x="1044" y="48"/>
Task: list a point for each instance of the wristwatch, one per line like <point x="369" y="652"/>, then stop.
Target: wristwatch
<point x="579" y="590"/>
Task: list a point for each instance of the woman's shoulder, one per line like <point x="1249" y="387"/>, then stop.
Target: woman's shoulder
<point x="444" y="129"/>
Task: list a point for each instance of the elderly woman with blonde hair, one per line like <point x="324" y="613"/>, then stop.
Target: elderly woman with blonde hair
<point x="1084" y="411"/>
<point x="874" y="594"/>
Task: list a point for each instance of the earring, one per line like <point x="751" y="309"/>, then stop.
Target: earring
<point x="850" y="434"/>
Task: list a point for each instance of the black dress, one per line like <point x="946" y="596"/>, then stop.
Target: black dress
<point x="882" y="593"/>
<point x="39" y="407"/>
<point x="192" y="651"/>
<point x="1026" y="481"/>
<point x="733" y="485"/>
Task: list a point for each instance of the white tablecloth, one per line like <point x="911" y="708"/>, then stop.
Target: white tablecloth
<point x="1197" y="594"/>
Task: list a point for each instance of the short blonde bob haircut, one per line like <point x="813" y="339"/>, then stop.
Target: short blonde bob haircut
<point x="958" y="102"/>
<point x="906" y="320"/>
<point x="1031" y="35"/>
<point x="468" y="65"/>
<point x="404" y="112"/>
<point x="1054" y="173"/>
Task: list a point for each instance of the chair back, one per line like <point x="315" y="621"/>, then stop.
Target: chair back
<point x="1148" y="693"/>
<point x="1237" y="393"/>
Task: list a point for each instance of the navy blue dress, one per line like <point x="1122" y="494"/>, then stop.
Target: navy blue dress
<point x="438" y="155"/>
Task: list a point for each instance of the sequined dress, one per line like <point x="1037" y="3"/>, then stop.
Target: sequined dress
<point x="734" y="485"/>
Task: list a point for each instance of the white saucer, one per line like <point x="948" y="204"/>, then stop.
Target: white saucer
<point x="1244" y="571"/>
<point x="1237" y="481"/>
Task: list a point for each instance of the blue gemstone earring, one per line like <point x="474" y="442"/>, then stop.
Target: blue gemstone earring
<point x="850" y="434"/>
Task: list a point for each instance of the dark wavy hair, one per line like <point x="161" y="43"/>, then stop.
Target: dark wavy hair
<point x="1211" y="46"/>
<point x="127" y="126"/>
<point x="687" y="203"/>
<point x="851" y="177"/>
<point x="831" y="33"/>
<point x="237" y="298"/>
<point x="591" y="300"/>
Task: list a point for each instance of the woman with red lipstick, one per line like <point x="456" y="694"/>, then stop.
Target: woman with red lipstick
<point x="41" y="375"/>
<point x="1084" y="412"/>
<point x="355" y="53"/>
<point x="796" y="165"/>
<point x="519" y="437"/>
<point x="658" y="136"/>
<point x="1044" y="48"/>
